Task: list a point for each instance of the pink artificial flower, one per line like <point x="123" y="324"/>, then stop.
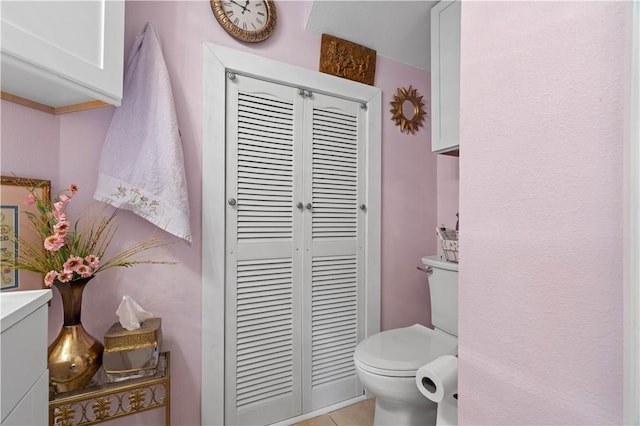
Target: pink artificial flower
<point x="30" y="200"/>
<point x="84" y="271"/>
<point x="73" y="263"/>
<point x="73" y="188"/>
<point x="54" y="242"/>
<point x="92" y="260"/>
<point x="60" y="215"/>
<point x="48" y="279"/>
<point x="65" y="276"/>
<point x="58" y="206"/>
<point x="64" y="198"/>
<point x="62" y="228"/>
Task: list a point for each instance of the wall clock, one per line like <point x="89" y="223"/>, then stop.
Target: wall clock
<point x="246" y="20"/>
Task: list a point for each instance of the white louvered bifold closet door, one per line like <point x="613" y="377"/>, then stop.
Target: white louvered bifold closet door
<point x="334" y="242"/>
<point x="263" y="294"/>
<point x="294" y="250"/>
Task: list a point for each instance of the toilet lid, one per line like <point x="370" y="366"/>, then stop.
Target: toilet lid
<point x="400" y="352"/>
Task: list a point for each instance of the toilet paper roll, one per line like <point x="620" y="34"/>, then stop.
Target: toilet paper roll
<point x="438" y="378"/>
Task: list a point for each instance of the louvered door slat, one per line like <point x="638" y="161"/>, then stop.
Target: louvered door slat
<point x="265" y="153"/>
<point x="266" y="354"/>
<point x="256" y="179"/>
<point x="333" y="353"/>
<point x="258" y="138"/>
<point x="254" y="336"/>
<point x="264" y="375"/>
<point x="256" y="370"/>
<point x="250" y="394"/>
<point x="324" y="180"/>
<point x="257" y="268"/>
<point x="275" y="117"/>
<point x="336" y="147"/>
<point x="258" y="101"/>
<point x="260" y="323"/>
<point x="274" y="344"/>
<point x="337" y="191"/>
<point x="335" y="265"/>
<point x="337" y="277"/>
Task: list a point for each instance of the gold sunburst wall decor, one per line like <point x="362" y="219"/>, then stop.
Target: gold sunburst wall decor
<point x="408" y="112"/>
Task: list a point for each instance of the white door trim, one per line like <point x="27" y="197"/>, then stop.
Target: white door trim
<point x="217" y="62"/>
<point x="632" y="224"/>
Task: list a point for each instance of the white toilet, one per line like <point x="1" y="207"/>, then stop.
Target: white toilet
<point x="386" y="363"/>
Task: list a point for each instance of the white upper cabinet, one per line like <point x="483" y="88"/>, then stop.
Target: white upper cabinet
<point x="61" y="53"/>
<point x="445" y="77"/>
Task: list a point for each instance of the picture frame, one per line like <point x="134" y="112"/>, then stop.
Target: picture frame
<point x="14" y="221"/>
<point x="346" y="59"/>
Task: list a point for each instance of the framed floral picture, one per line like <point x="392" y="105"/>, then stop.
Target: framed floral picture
<point x="14" y="223"/>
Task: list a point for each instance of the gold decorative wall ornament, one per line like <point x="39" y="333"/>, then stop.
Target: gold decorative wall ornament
<point x="247" y="20"/>
<point x="408" y="112"/>
<point x="349" y="60"/>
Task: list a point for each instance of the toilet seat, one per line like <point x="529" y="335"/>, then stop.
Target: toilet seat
<point x="400" y="352"/>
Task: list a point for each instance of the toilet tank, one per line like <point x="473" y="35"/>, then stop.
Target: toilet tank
<point x="443" y="286"/>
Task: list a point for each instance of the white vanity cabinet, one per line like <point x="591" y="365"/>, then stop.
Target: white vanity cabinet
<point x="62" y="53"/>
<point x="24" y="378"/>
<point x="445" y="77"/>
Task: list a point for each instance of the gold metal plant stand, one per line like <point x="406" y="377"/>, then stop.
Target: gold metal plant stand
<point x="102" y="401"/>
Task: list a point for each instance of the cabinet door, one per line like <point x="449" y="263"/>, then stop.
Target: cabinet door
<point x="263" y="295"/>
<point x="23" y="360"/>
<point x="445" y="76"/>
<point x="32" y="408"/>
<point x="63" y="52"/>
<point x="334" y="249"/>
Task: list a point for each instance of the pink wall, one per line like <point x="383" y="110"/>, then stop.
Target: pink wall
<point x="541" y="212"/>
<point x="448" y="190"/>
<point x="68" y="149"/>
<point x="24" y="127"/>
<point x="408" y="204"/>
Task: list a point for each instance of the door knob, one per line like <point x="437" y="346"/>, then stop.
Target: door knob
<point x="300" y="205"/>
<point x="232" y="201"/>
<point x="309" y="206"/>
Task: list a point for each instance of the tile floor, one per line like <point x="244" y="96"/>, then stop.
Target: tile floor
<point x="360" y="414"/>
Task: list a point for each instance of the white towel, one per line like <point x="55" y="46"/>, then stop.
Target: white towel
<point x="142" y="165"/>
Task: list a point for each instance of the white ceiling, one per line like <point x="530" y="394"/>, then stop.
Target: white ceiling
<point x="395" y="29"/>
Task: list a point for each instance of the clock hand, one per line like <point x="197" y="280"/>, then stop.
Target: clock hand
<point x="238" y="4"/>
<point x="244" y="8"/>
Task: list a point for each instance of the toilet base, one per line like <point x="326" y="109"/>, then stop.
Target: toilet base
<point x="389" y="413"/>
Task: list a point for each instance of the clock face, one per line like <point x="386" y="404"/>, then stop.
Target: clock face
<point x="247" y="20"/>
<point x="246" y="14"/>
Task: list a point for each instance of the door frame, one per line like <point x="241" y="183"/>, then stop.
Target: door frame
<point x="218" y="61"/>
<point x="632" y="222"/>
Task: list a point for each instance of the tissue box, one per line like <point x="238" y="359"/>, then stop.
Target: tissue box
<point x="132" y="354"/>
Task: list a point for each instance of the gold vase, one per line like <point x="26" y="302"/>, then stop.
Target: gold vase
<point x="75" y="356"/>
